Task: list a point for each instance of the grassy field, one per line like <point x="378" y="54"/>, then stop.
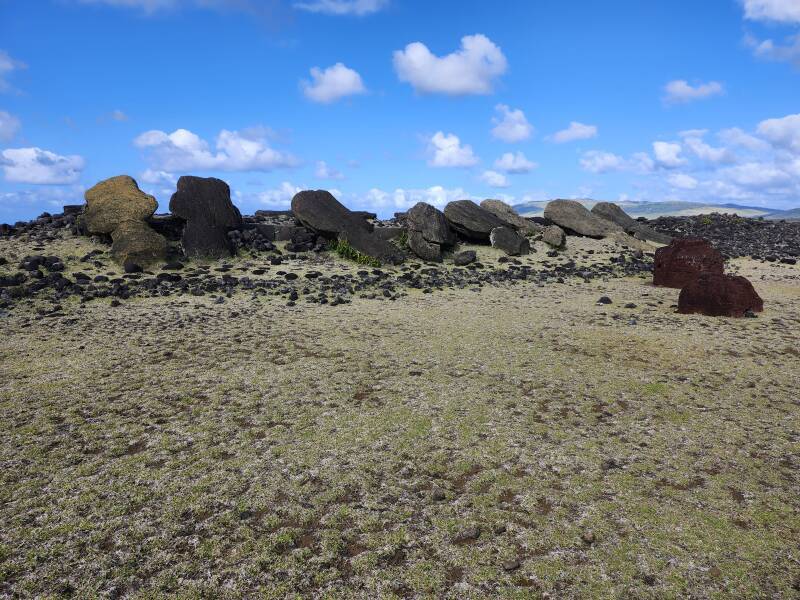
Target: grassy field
<point x="517" y="442"/>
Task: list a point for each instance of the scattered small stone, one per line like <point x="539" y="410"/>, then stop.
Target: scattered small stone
<point x="604" y="300"/>
<point x="467" y="534"/>
<point x="511" y="565"/>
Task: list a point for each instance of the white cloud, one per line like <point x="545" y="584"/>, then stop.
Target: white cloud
<point x="783" y="132"/>
<point x="470" y="70"/>
<point x="512" y="127"/>
<point x="596" y="161"/>
<point x="736" y="137"/>
<point x="494" y="179"/>
<point x="342" y="7"/>
<point x="50" y="198"/>
<point x="682" y="181"/>
<point x="34" y="165"/>
<point x="323" y="171"/>
<point x="668" y="154"/>
<point x="680" y="91"/>
<point x="280" y="197"/>
<point x="756" y="175"/>
<point x="770" y="50"/>
<point x="158" y="177"/>
<point x="447" y="151"/>
<point x="118" y="115"/>
<point x="575" y="131"/>
<point x="781" y="11"/>
<point x="7" y="66"/>
<point x="402" y="199"/>
<point x="9" y="126"/>
<point x="332" y="84"/>
<point x="183" y="150"/>
<point x="514" y="163"/>
<point x="708" y="153"/>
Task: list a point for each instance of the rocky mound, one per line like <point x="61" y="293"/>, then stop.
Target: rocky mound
<point x="738" y="236"/>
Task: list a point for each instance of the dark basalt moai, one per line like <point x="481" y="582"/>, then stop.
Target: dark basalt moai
<point x="718" y="295"/>
<point x="509" y="241"/>
<point x="682" y="261"/>
<point x="428" y="231"/>
<point x="573" y="216"/>
<point x="612" y="212"/>
<point x="205" y="204"/>
<point x="319" y="211"/>
<point x="471" y="221"/>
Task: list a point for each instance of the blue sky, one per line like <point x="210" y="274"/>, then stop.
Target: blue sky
<point x="389" y="102"/>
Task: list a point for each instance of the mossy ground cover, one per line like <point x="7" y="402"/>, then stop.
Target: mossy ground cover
<point x="171" y="447"/>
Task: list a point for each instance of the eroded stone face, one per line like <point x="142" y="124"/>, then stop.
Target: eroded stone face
<point x="683" y="260"/>
<point x="719" y="295"/>
<point x="114" y="201"/>
<point x="117" y="206"/>
<point x="205" y="204"/>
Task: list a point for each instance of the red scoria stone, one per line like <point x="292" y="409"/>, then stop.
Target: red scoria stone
<point x="679" y="263"/>
<point x="718" y="295"/>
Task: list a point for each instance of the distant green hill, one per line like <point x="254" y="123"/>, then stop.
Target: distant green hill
<point x="652" y="210"/>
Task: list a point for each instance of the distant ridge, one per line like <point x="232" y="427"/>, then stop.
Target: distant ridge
<point x="675" y="208"/>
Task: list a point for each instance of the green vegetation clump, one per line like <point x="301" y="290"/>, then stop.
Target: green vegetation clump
<point x="345" y="250"/>
<point x="401" y="241"/>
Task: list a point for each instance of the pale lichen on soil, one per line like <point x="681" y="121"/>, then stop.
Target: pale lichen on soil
<point x="510" y="441"/>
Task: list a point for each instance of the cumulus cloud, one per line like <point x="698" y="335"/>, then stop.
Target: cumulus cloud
<point x="447" y="151"/>
<point x="7" y="66"/>
<point x="703" y="151"/>
<point x="279" y="197"/>
<point x="342" y="7"/>
<point x="514" y="163"/>
<point x="736" y="137"/>
<point x="511" y="125"/>
<point x="783" y="132"/>
<point x="470" y="70"/>
<point x="183" y="150"/>
<point x="402" y="199"/>
<point x="599" y="161"/>
<point x="575" y="131"/>
<point x="34" y="165"/>
<point x="324" y="171"/>
<point x="682" y="181"/>
<point x="680" y="91"/>
<point x="332" y="84"/>
<point x="776" y="51"/>
<point x="668" y="154"/>
<point x="9" y="126"/>
<point x="779" y="11"/>
<point x="158" y="177"/>
<point x="494" y="179"/>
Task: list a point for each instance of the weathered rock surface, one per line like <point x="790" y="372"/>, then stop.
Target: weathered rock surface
<point x="118" y="207"/>
<point x="464" y="258"/>
<point x="471" y="221"/>
<point x="614" y="213"/>
<point x="115" y="200"/>
<point x="573" y="216"/>
<point x="428" y="231"/>
<point x="205" y="204"/>
<point x="320" y="211"/>
<point x="423" y="248"/>
<point x="554" y="236"/>
<point x="682" y="261"/>
<point x="506" y="213"/>
<point x="509" y="241"/>
<point x="719" y="295"/>
<point x="136" y="242"/>
<point x="431" y="223"/>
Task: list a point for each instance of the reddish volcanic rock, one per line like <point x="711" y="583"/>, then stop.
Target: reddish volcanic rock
<point x="679" y="263"/>
<point x="718" y="295"/>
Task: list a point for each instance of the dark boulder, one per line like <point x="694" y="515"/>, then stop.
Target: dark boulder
<point x="554" y="236"/>
<point x="170" y="226"/>
<point x="464" y="258"/>
<point x="471" y="221"/>
<point x="573" y="216"/>
<point x="612" y="212"/>
<point x="719" y="295"/>
<point x="423" y="248"/>
<point x="205" y="204"/>
<point x="507" y="213"/>
<point x="509" y="241"/>
<point x="679" y="263"/>
<point x="431" y="223"/>
<point x="319" y="211"/>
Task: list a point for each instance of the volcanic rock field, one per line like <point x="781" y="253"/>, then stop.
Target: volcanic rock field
<point x="295" y="404"/>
